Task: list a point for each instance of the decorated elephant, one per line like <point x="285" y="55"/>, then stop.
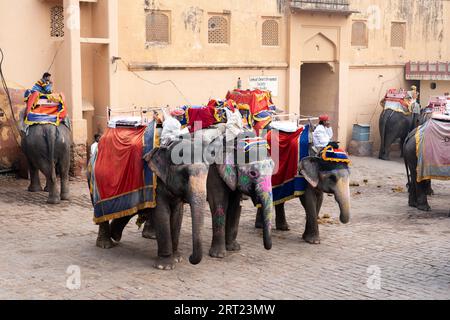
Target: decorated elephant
<point x="176" y="184"/>
<point x="322" y="176"/>
<point x="47" y="148"/>
<point x="399" y="117"/>
<point x="427" y="157"/>
<point x="227" y="182"/>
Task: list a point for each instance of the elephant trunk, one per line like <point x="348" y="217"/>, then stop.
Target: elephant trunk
<point x="264" y="194"/>
<point x="342" y="196"/>
<point x="198" y="205"/>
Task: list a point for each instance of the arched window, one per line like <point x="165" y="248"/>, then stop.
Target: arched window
<point x="218" y="31"/>
<point x="157" y="27"/>
<point x="270" y="33"/>
<point x="359" y="34"/>
<point x="57" y="21"/>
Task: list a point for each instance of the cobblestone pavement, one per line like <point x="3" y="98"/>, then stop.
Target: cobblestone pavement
<point x="409" y="250"/>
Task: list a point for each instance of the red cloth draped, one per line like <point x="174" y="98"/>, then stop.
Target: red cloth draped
<point x="286" y="163"/>
<point x="119" y="165"/>
<point x="257" y="100"/>
<point x="205" y="116"/>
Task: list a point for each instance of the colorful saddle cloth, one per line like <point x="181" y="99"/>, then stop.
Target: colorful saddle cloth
<point x="399" y="101"/>
<point x="45" y="109"/>
<point x="286" y="181"/>
<point x="433" y="150"/>
<point x="254" y="106"/>
<point x="120" y="181"/>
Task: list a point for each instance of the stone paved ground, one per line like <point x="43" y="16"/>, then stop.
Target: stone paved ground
<point x="410" y="250"/>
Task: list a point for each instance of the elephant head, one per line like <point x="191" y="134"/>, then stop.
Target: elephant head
<point x="253" y="177"/>
<point x="186" y="181"/>
<point x="331" y="178"/>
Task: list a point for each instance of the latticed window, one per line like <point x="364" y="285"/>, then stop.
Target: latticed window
<point x="218" y="31"/>
<point x="359" y="34"/>
<point x="398" y="34"/>
<point x="270" y="33"/>
<point x="57" y="21"/>
<point x="157" y="27"/>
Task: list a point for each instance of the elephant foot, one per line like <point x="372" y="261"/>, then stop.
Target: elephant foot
<point x="148" y="233"/>
<point x="282" y="226"/>
<point x="165" y="263"/>
<point x="177" y="257"/>
<point x="116" y="230"/>
<point x="424" y="207"/>
<point x="53" y="200"/>
<point x="311" y="239"/>
<point x="217" y="252"/>
<point x="36" y="188"/>
<point x="386" y="158"/>
<point x="105" y="243"/>
<point x="259" y="225"/>
<point x="65" y="196"/>
<point x="233" y="246"/>
<point x="412" y="204"/>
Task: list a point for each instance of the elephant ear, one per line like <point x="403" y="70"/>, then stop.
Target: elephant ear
<point x="158" y="162"/>
<point x="309" y="168"/>
<point x="228" y="172"/>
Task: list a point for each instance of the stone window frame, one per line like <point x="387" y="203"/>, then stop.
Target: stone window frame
<point x="277" y="20"/>
<point x="168" y="15"/>
<point x="227" y="17"/>
<point x="57" y="21"/>
<point x="366" y="39"/>
<point x="398" y="23"/>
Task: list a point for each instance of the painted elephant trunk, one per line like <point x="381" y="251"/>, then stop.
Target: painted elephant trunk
<point x="264" y="193"/>
<point x="342" y="196"/>
<point x="198" y="205"/>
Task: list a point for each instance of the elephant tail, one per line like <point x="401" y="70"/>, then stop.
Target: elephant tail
<point x="51" y="136"/>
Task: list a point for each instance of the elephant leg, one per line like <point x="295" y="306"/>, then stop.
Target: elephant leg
<point x="63" y="168"/>
<point x="35" y="183"/>
<point x="309" y="202"/>
<point x="117" y="227"/>
<point x="149" y="227"/>
<point x="428" y="190"/>
<point x="162" y="213"/>
<point x="422" y="201"/>
<point x="104" y="236"/>
<point x="50" y="174"/>
<point x="232" y="222"/>
<point x="280" y="218"/>
<point x="176" y="220"/>
<point x="259" y="221"/>
<point x="319" y="202"/>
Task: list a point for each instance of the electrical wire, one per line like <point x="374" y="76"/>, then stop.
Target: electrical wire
<point x="54" y="57"/>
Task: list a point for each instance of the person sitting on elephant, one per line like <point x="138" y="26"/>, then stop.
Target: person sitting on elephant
<point x="323" y="133"/>
<point x="44" y="86"/>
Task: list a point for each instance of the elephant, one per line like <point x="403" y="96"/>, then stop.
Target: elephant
<point x="47" y="149"/>
<point x="226" y="184"/>
<point x="322" y="176"/>
<point x="418" y="191"/>
<point x="176" y="184"/>
<point x="394" y="125"/>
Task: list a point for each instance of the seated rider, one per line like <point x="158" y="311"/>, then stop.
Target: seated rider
<point x="44" y="86"/>
<point x="323" y="134"/>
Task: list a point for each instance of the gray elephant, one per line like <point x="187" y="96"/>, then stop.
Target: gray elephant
<point x="322" y="176"/>
<point x="394" y="125"/>
<point x="418" y="191"/>
<point x="47" y="148"/>
<point x="176" y="185"/>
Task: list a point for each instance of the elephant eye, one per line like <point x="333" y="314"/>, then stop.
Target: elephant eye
<point x="333" y="178"/>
